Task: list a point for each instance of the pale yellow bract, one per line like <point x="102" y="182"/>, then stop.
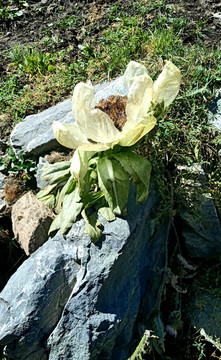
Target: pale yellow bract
<point x="95" y="131"/>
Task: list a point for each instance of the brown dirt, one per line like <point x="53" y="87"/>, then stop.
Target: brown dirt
<point x="42" y="18"/>
<point x="201" y="11"/>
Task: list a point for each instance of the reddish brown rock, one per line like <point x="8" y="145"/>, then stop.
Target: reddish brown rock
<point x="30" y="221"/>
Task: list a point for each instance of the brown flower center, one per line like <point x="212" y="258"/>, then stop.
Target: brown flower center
<point x="115" y="107"/>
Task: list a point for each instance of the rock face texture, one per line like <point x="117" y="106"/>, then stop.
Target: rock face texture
<point x="31" y="304"/>
<point x="215" y="112"/>
<point x="200" y="222"/>
<point x="35" y="135"/>
<point x="2" y="195"/>
<point x="30" y="221"/>
<point x="204" y="312"/>
<point x="73" y="299"/>
<point x="210" y="317"/>
<point x="41" y="184"/>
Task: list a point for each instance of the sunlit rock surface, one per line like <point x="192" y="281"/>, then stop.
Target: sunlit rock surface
<point x="73" y="299"/>
<point x="31" y="220"/>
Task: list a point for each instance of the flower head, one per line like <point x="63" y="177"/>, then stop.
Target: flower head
<point x="118" y="120"/>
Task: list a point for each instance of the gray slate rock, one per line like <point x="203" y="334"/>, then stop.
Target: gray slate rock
<point x="204" y="313"/>
<point x="3" y="203"/>
<point x="200" y="223"/>
<point x="2" y="180"/>
<point x="41" y="184"/>
<point x="35" y="136"/>
<point x="215" y="112"/>
<point x="76" y="300"/>
<point x="33" y="299"/>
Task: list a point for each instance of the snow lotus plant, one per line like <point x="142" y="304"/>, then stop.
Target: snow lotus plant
<point x="104" y="137"/>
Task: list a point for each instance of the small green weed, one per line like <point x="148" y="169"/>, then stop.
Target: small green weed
<point x="70" y="21"/>
<point x="86" y="50"/>
<point x="31" y="60"/>
<point x="143" y="8"/>
<point x="140" y="8"/>
<point x="156" y="4"/>
<point x="200" y="346"/>
<point x="9" y="91"/>
<point x="8" y="12"/>
<point x="143" y="347"/>
<point x="129" y="38"/>
<point x="13" y="164"/>
<point x="114" y="12"/>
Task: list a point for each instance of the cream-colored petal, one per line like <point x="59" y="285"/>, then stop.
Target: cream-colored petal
<point x="167" y="85"/>
<point x="132" y="136"/>
<point x="79" y="164"/>
<point x="93" y="123"/>
<point x="68" y="135"/>
<point x="133" y="70"/>
<point x="83" y="97"/>
<point x="139" y="100"/>
<point x="95" y="147"/>
<point x="97" y="126"/>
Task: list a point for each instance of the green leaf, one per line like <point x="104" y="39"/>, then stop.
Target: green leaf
<point x="49" y="201"/>
<point x="64" y="190"/>
<point x="195" y="91"/>
<point x="92" y="198"/>
<point x="42" y="193"/>
<point x="55" y="172"/>
<point x="196" y="152"/>
<point x="71" y="209"/>
<point x="56" y="224"/>
<point x="141" y="347"/>
<point x="85" y="185"/>
<point x="114" y="182"/>
<point x="79" y="164"/>
<point x="93" y="227"/>
<point x="107" y="213"/>
<point x="160" y="333"/>
<point x="139" y="169"/>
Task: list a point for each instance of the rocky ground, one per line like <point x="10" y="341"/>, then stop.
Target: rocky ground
<point x="32" y="23"/>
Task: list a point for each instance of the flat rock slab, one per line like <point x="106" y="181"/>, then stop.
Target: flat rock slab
<point x="35" y="136"/>
<point x="102" y="286"/>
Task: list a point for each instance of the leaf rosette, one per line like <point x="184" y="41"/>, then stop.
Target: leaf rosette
<point x="104" y="136"/>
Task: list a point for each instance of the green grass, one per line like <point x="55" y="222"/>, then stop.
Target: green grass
<point x="31" y="61"/>
<point x="41" y="76"/>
